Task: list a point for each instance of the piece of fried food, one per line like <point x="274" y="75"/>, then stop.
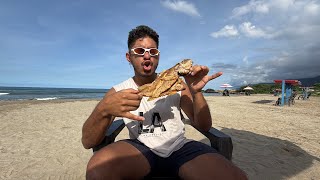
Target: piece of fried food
<point x="168" y="82"/>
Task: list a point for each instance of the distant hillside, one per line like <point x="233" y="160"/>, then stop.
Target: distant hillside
<point x="269" y="87"/>
<point x="309" y="81"/>
<point x="304" y="82"/>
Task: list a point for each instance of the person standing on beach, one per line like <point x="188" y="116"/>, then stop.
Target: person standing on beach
<point x="165" y="146"/>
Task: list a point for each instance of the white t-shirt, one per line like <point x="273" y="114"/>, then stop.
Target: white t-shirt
<point x="162" y="130"/>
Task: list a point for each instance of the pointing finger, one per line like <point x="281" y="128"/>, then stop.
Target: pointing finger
<point x="133" y="117"/>
<point x="215" y="75"/>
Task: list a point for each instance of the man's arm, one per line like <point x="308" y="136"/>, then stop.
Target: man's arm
<point x="196" y="108"/>
<point x="199" y="112"/>
<point x="95" y="126"/>
<point x="114" y="104"/>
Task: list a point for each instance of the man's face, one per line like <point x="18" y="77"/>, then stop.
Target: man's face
<point x="144" y="65"/>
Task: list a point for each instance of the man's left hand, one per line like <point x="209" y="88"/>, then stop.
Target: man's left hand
<point x="198" y="78"/>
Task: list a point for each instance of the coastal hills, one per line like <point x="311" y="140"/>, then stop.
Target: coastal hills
<point x="269" y="87"/>
<point x="309" y="81"/>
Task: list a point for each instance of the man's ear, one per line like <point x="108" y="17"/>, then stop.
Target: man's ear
<point x="128" y="57"/>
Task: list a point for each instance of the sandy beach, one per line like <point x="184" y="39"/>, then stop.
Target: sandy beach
<point x="42" y="139"/>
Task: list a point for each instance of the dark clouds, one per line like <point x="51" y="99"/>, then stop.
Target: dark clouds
<point x="293" y="50"/>
<point x="302" y="63"/>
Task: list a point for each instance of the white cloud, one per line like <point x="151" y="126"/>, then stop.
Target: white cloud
<point x="250" y="30"/>
<point x="226" y="31"/>
<point x="289" y="7"/>
<point x="312" y="8"/>
<point x="283" y="5"/>
<point x="246" y="29"/>
<point x="252" y="6"/>
<point x="279" y="19"/>
<point x="239" y="11"/>
<point x="181" y="6"/>
<point x="245" y="60"/>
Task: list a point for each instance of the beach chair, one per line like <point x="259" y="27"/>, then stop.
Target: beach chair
<point x="309" y="94"/>
<point x="291" y="98"/>
<point x="220" y="141"/>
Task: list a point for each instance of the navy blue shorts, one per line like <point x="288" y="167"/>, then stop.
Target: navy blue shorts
<point x="171" y="164"/>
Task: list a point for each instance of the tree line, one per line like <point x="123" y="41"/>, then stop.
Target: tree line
<point x="269" y="89"/>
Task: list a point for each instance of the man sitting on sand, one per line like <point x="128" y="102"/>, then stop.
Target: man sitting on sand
<point x="164" y="147"/>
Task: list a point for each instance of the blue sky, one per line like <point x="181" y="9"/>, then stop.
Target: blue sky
<point x="83" y="43"/>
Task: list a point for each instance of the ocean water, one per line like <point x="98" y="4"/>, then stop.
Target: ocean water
<point x="39" y="93"/>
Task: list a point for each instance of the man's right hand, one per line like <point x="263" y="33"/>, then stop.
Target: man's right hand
<point x="119" y="104"/>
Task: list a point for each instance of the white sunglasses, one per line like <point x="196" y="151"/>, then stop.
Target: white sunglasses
<point x="141" y="51"/>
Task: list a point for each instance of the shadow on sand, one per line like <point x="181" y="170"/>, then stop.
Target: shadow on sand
<point x="263" y="101"/>
<point x="263" y="157"/>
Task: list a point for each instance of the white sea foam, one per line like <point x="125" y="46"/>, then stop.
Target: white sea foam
<point x="4" y="94"/>
<point x="46" y="99"/>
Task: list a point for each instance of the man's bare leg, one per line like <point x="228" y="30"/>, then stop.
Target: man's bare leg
<point x="119" y="160"/>
<point x="210" y="166"/>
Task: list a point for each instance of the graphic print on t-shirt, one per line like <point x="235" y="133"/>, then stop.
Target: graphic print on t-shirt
<point x="155" y="123"/>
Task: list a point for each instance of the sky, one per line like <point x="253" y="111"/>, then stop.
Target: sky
<point x="83" y="43"/>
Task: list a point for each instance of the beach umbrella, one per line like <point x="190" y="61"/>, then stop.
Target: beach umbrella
<point x="226" y="86"/>
<point x="248" y="88"/>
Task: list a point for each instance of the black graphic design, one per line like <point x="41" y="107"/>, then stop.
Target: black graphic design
<point x="155" y="123"/>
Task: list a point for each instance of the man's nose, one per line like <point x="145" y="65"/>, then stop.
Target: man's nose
<point x="147" y="55"/>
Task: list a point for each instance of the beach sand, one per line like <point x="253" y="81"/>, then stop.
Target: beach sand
<point x="42" y="139"/>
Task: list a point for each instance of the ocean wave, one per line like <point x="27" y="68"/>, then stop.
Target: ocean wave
<point x="4" y="94"/>
<point x="46" y="99"/>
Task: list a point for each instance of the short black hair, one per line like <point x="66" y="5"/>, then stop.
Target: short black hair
<point x="141" y="32"/>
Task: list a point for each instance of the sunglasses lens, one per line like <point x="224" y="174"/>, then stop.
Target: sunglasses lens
<point x="139" y="51"/>
<point x="154" y="52"/>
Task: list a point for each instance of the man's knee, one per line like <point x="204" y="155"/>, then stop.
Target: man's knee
<point x="211" y="166"/>
<point x="241" y="175"/>
<point x="230" y="170"/>
<point x="93" y="174"/>
<point x="119" y="160"/>
<point x="100" y="171"/>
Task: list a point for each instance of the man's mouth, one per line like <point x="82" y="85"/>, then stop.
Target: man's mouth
<point x="147" y="65"/>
